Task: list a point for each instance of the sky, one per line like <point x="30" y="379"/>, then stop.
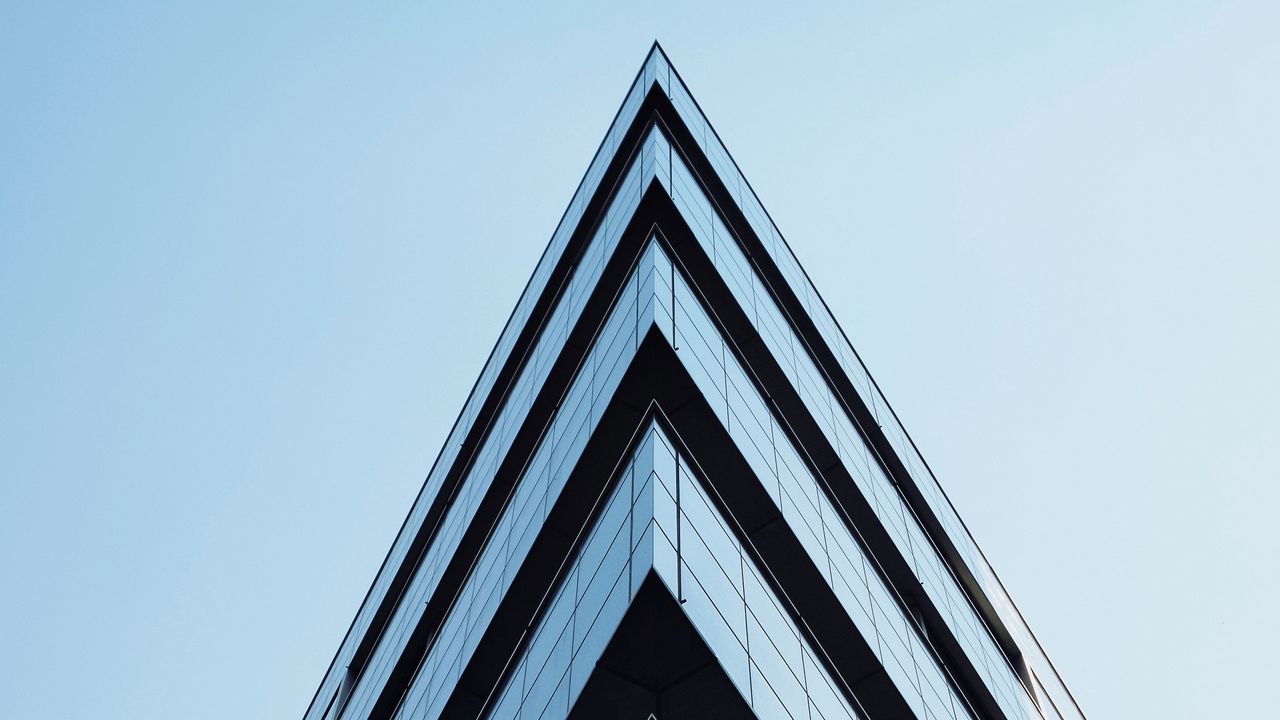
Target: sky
<point x="253" y="256"/>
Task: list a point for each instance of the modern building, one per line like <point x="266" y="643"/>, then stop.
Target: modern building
<point x="675" y="491"/>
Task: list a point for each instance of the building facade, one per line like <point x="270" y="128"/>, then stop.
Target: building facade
<point x="676" y="491"/>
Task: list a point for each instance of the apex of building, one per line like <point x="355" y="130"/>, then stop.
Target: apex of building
<point x="676" y="491"/>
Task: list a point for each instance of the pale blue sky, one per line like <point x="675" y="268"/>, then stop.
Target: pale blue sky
<point x="252" y="259"/>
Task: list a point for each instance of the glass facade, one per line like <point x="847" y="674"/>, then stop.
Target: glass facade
<point x="667" y="334"/>
<point x="721" y="589"/>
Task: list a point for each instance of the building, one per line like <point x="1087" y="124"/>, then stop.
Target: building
<point x="676" y="491"/>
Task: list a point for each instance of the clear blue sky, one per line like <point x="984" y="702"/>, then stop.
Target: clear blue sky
<point x="252" y="259"/>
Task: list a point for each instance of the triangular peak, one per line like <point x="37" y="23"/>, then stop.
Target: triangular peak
<point x="657" y="665"/>
<point x="666" y="275"/>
